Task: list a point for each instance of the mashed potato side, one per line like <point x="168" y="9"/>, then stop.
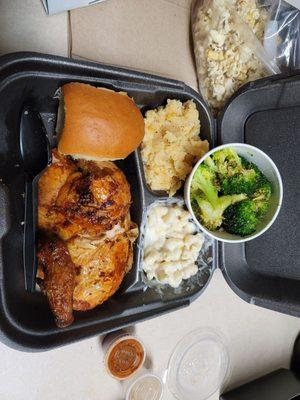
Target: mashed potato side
<point x="171" y="145"/>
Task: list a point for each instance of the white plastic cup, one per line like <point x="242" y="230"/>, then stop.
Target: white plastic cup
<point x="146" y="387"/>
<point x="268" y="168"/>
<point x="199" y="365"/>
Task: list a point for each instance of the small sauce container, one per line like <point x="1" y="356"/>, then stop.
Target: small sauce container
<point x="199" y="365"/>
<point x="125" y="356"/>
<point x="145" y="387"/>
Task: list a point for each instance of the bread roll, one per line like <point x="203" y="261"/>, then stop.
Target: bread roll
<point x="99" y="124"/>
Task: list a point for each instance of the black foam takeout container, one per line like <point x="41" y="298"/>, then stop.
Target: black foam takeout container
<point x="25" y="319"/>
<point x="264" y="271"/>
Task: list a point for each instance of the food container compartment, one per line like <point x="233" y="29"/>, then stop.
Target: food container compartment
<point x="207" y="130"/>
<point x="266" y="271"/>
<point x="26" y="321"/>
<point x="205" y="261"/>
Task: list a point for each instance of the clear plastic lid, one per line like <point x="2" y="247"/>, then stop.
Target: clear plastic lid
<point x="199" y="365"/>
<point x="146" y="387"/>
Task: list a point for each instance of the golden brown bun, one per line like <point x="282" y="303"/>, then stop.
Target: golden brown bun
<point x="99" y="124"/>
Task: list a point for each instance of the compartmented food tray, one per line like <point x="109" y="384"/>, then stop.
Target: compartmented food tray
<point x="25" y="318"/>
<point x="264" y="271"/>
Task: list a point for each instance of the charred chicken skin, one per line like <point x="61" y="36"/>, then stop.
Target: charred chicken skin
<point x="58" y="281"/>
<point x="78" y="197"/>
<point x="86" y="204"/>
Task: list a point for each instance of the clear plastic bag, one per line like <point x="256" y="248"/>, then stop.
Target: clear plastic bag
<point x="282" y="34"/>
<point x="228" y="44"/>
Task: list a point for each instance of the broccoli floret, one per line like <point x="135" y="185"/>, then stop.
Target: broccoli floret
<point x="261" y="199"/>
<point x="205" y="182"/>
<point x="260" y="177"/>
<point x="227" y="162"/>
<point x="240" y="218"/>
<point x="211" y="164"/>
<point x="237" y="175"/>
<point x="204" y="192"/>
<point x="242" y="182"/>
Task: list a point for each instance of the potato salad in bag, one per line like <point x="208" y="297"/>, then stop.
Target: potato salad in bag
<point x="226" y="34"/>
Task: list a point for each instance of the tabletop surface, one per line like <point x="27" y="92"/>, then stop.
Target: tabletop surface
<point x="259" y="340"/>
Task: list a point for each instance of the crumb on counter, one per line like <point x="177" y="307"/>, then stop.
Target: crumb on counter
<point x="171" y="145"/>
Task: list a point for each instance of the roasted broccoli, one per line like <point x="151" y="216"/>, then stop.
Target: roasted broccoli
<point x="229" y="191"/>
<point x="261" y="199"/>
<point x="227" y="162"/>
<point x="204" y="194"/>
<point x="237" y="175"/>
<point x="240" y="218"/>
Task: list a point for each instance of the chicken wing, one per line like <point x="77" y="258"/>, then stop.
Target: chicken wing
<point x="59" y="278"/>
<point x="86" y="205"/>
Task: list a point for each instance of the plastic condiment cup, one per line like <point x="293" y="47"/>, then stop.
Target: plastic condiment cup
<point x="268" y="168"/>
<point x="145" y="387"/>
<point x="126" y="348"/>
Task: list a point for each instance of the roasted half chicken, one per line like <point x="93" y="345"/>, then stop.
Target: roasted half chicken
<point x="85" y="204"/>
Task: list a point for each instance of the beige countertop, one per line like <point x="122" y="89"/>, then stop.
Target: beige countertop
<point x="259" y="340"/>
<point x="26" y="27"/>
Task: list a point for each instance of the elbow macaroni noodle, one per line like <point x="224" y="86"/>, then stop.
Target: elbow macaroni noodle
<point x="172" y="245"/>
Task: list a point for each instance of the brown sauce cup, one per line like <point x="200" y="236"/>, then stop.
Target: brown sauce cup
<point x="124" y="357"/>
